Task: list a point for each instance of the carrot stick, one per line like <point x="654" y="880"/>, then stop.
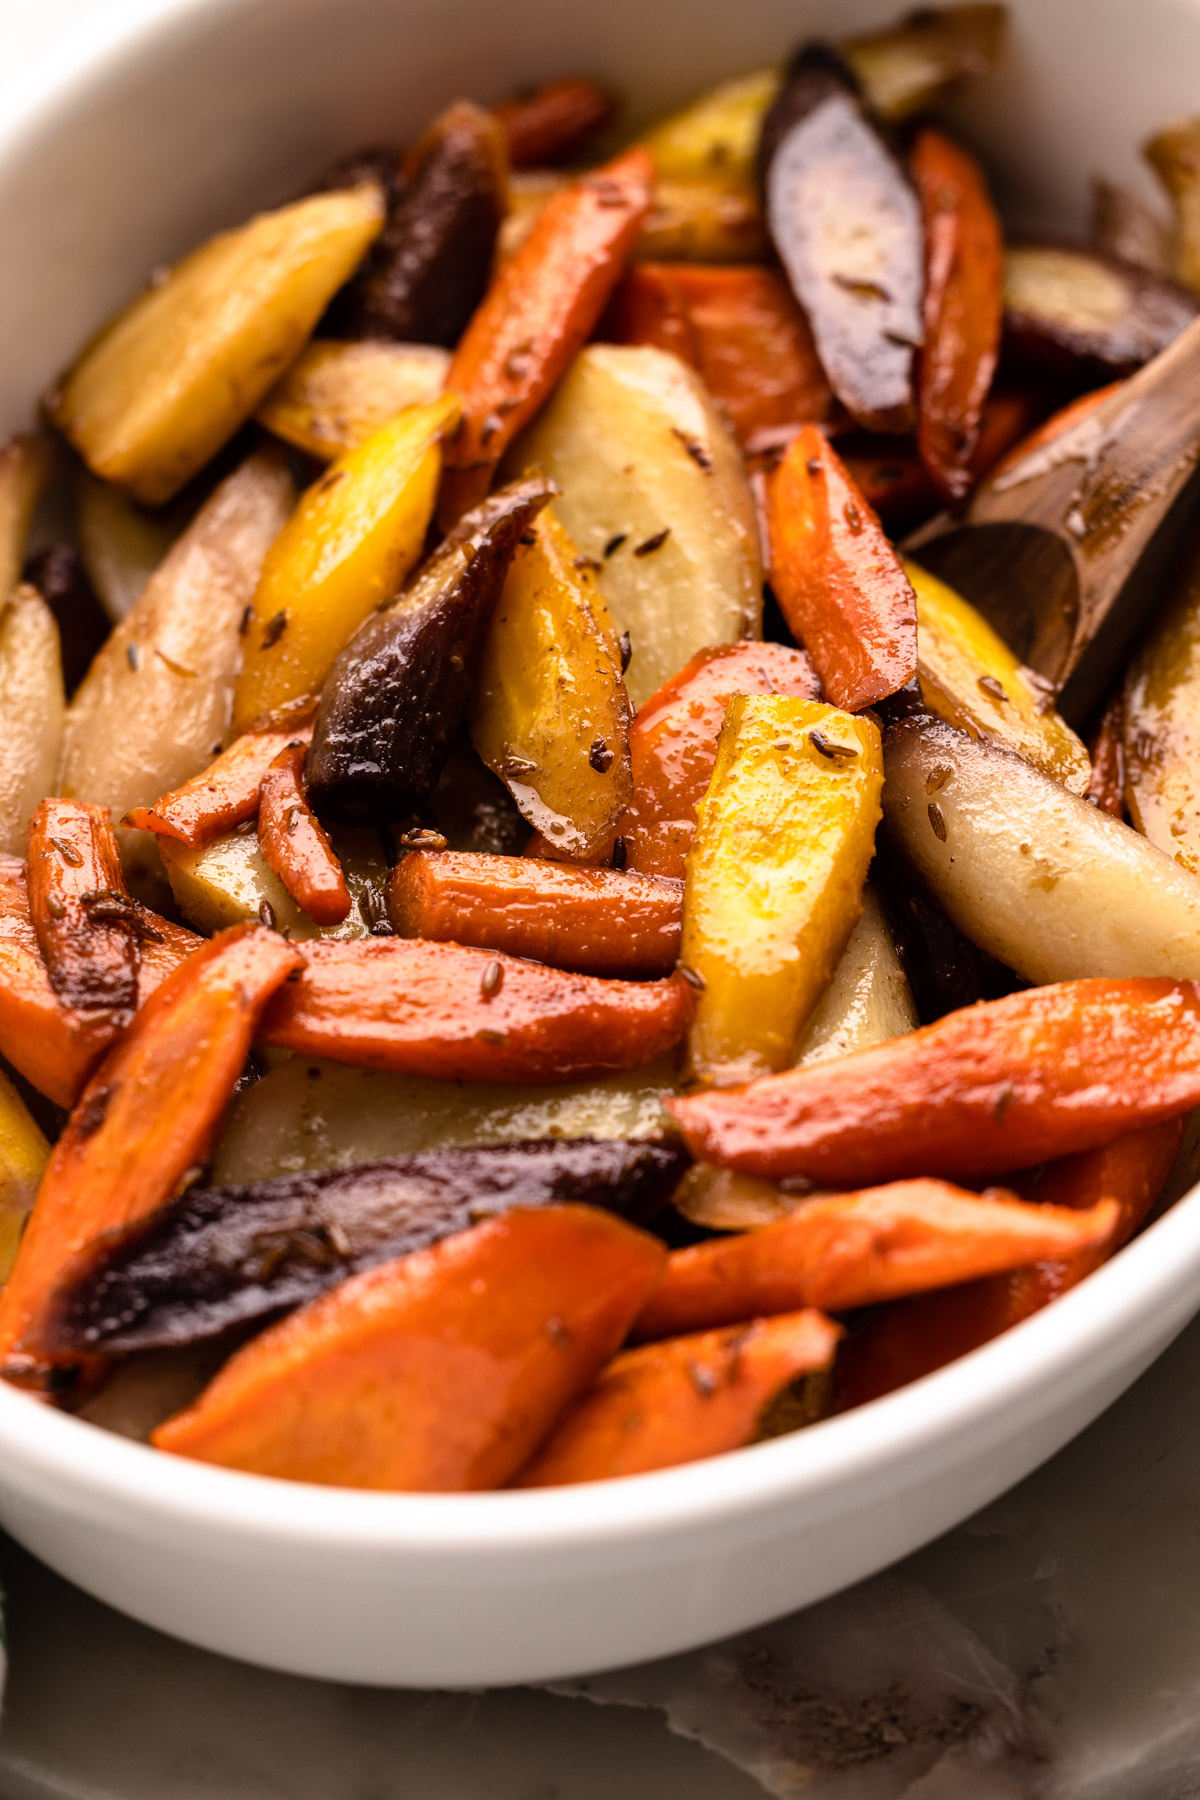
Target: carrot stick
<point x="534" y="317"/>
<point x="838" y="581"/>
<point x="225" y="795"/>
<point x="595" y="921"/>
<point x="858" y="1249"/>
<point x="964" y="308"/>
<point x="82" y="914"/>
<point x="147" y="1116"/>
<point x="919" y="1335"/>
<point x="468" y="1015"/>
<point x="1005" y="1083"/>
<point x="549" y="125"/>
<point x="1106" y="789"/>
<point x="679" y="1401"/>
<point x="442" y="1370"/>
<point x="295" y="845"/>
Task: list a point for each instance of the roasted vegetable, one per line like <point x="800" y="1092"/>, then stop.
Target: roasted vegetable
<point x="25" y="465"/>
<point x="653" y="491"/>
<point x="337" y="395"/>
<point x="227" y="880"/>
<point x="346" y="549"/>
<point x="554" y="121"/>
<point x="857" y="1249"/>
<point x="550" y="714"/>
<point x="443" y="1009"/>
<point x="1174" y="155"/>
<point x="538" y="311"/>
<point x="1074" y="308"/>
<point x="964" y="275"/>
<point x="894" y="480"/>
<point x="716" y="137"/>
<point x="171" y="379"/>
<point x="1033" y="875"/>
<point x="847" y="225"/>
<point x="741" y="330"/>
<point x="1106" y="789"/>
<point x="839" y="583"/>
<point x="122" y="545"/>
<point x="59" y="575"/>
<point x="1007" y="1083"/>
<point x="32" y="706"/>
<point x="396" y="695"/>
<point x="702" y="222"/>
<point x="671" y="1403"/>
<point x="225" y="795"/>
<point x="784" y="838"/>
<point x="969" y="677"/>
<point x="944" y="969"/>
<point x="910" y="65"/>
<point x="148" y="1116"/>
<point x="294" y="844"/>
<point x="868" y="1000"/>
<point x="156" y="705"/>
<point x="1124" y="227"/>
<point x="429" y="267"/>
<point x="87" y="927"/>
<point x="442" y="1370"/>
<point x="217" y="1257"/>
<point x="1161" y="725"/>
<point x="596" y="921"/>
<point x="472" y="808"/>
<point x="24" y="1154"/>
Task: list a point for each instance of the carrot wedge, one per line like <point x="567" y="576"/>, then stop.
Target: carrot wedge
<point x="83" y="917"/>
<point x="440" y="1371"/>
<point x="595" y="921"/>
<point x="295" y="845"/>
<point x="225" y="795"/>
<point x="919" y="1335"/>
<point x="534" y="317"/>
<point x="146" y="1117"/>
<point x="417" y="1008"/>
<point x="1003" y="1084"/>
<point x="857" y="1249"/>
<point x="964" y="308"/>
<point x="676" y="1402"/>
<point x="553" y="122"/>
<point x="839" y="583"/>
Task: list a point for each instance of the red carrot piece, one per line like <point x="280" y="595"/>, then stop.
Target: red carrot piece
<point x="551" y="124"/>
<point x="225" y="795"/>
<point x="295" y="845"/>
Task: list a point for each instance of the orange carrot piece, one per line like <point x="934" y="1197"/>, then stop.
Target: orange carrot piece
<point x="295" y="844"/>
<point x="1106" y="789"/>
<point x="85" y="922"/>
<point x="551" y="124"/>
<point x="595" y="921"/>
<point x="741" y="329"/>
<point x="442" y="1370"/>
<point x="467" y="1015"/>
<point x="679" y="1401"/>
<point x="858" y="1249"/>
<point x="964" y="308"/>
<point x="839" y="583"/>
<point x="919" y="1335"/>
<point x="1002" y="1084"/>
<point x="147" y="1116"/>
<point x="225" y="795"/>
<point x="534" y="317"/>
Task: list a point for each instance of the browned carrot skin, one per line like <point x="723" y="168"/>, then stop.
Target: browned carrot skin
<point x="839" y="583"/>
<point x="551" y="124"/>
<point x="225" y="795"/>
<point x="858" y="1249"/>
<point x="536" y="314"/>
<point x="83" y="917"/>
<point x="964" y="308"/>
<point x="418" y="1008"/>
<point x="595" y="921"/>
<point x="295" y="845"/>
<point x="1016" y="1081"/>
<point x="1106" y="789"/>
<point x="442" y="1370"/>
<point x="919" y="1335"/>
<point x="676" y="1402"/>
<point x="147" y="1116"/>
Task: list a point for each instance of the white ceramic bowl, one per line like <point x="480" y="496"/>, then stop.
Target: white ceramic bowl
<point x="161" y="122"/>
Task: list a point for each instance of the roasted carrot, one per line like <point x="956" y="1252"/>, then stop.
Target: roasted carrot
<point x="225" y="795"/>
<point x="679" y="1401"/>
<point x="895" y="481"/>
<point x="551" y="124"/>
<point x="964" y="308"/>
<point x="83" y="917"/>
<point x="741" y="329"/>
<point x="295" y="844"/>
<point x="1002" y="1084"/>
<point x="595" y="921"/>
<point x="534" y="317"/>
<point x="916" y="1336"/>
<point x="441" y="1370"/>
<point x="468" y="1015"/>
<point x="146" y="1117"/>
<point x="858" y="1249"/>
<point x="1106" y="789"/>
<point x="839" y="583"/>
